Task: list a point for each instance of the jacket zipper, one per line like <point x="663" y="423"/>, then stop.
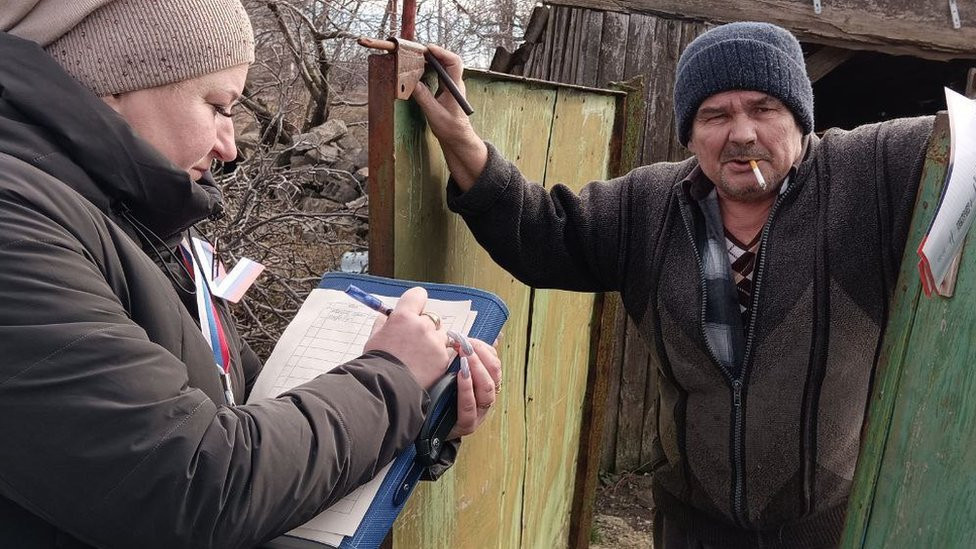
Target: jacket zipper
<point x="736" y="383"/>
<point x="740" y="458"/>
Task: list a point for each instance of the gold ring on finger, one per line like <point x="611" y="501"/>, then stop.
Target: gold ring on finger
<point x="498" y="386"/>
<point x="434" y="317"/>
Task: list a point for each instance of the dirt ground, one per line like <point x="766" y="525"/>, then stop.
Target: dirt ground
<point x="623" y="513"/>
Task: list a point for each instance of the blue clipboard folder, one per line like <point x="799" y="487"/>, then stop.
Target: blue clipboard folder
<point x="409" y="466"/>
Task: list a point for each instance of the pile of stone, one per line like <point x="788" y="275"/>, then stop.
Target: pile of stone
<point x="329" y="160"/>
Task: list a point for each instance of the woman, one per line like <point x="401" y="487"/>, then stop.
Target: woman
<point x="115" y="430"/>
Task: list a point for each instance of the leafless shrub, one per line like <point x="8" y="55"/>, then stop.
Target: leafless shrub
<point x="308" y="70"/>
<point x="267" y="218"/>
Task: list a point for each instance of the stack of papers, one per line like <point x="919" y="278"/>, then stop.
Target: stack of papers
<point x="942" y="243"/>
<point x="331" y="329"/>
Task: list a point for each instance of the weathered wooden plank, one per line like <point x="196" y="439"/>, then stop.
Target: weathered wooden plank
<point x="613" y="48"/>
<point x="602" y="343"/>
<point x="921" y="28"/>
<point x="689" y="31"/>
<point x="892" y="359"/>
<point x="604" y="372"/>
<point x="479" y="502"/>
<point x="538" y="64"/>
<point x="824" y="60"/>
<point x="501" y="61"/>
<point x="588" y="70"/>
<point x="574" y="71"/>
<point x="559" y="342"/>
<point x="921" y="450"/>
<point x="629" y="132"/>
<point x="660" y="111"/>
<point x="630" y="411"/>
<point x="614" y="373"/>
<point x="560" y="29"/>
<point x="640" y="38"/>
<point x="566" y="64"/>
<point x="522" y="56"/>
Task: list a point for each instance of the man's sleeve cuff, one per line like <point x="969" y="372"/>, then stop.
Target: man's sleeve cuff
<point x="487" y="189"/>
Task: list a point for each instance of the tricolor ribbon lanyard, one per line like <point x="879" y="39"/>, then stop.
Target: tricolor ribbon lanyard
<point x="210" y="324"/>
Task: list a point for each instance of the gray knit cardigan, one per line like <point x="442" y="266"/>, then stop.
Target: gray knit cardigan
<point x="768" y="455"/>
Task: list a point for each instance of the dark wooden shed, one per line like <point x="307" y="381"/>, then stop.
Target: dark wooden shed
<point x="869" y="60"/>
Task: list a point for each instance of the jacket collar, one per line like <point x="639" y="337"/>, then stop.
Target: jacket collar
<point x="52" y="122"/>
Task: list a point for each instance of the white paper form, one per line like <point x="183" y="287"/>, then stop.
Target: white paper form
<point x="955" y="212"/>
<point x="331" y="329"/>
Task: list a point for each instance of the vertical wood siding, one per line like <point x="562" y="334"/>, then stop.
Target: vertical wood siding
<point x="514" y="482"/>
<point x="596" y="48"/>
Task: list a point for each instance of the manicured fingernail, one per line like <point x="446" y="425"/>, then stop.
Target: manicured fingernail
<point x="465" y="370"/>
<point x="463" y="346"/>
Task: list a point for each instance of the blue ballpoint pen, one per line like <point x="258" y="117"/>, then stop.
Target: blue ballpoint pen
<point x="368" y="300"/>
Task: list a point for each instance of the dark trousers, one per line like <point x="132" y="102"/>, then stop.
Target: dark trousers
<point x="670" y="535"/>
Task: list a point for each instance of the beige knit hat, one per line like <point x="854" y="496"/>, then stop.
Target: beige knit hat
<point x="116" y="46"/>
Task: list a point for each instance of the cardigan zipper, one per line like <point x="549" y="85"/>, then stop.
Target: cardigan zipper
<point x="740" y="458"/>
<point x="736" y="383"/>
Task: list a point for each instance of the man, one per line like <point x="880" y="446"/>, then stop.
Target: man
<point x="763" y="296"/>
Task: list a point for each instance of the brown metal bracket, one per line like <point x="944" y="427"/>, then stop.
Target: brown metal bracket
<point x="409" y="61"/>
<point x="411" y="58"/>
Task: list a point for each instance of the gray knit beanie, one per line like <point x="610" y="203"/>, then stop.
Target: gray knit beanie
<point x="742" y="56"/>
<point x="116" y="46"/>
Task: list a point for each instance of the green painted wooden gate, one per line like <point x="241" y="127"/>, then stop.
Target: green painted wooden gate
<point x="514" y="483"/>
<point x="915" y="484"/>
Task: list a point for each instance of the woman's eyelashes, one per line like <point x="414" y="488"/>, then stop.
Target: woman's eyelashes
<point x="222" y="110"/>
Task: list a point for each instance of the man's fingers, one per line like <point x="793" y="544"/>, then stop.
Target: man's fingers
<point x="449" y="60"/>
<point x="423" y="97"/>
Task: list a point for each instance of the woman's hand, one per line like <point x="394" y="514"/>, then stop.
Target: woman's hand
<point x="412" y="337"/>
<point x="478" y="391"/>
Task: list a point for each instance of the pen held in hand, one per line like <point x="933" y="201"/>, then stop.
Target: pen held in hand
<point x="447" y="81"/>
<point x="368" y="300"/>
<point x="454" y="339"/>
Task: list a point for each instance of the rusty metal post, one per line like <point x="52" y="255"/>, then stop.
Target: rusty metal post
<point x="382" y="167"/>
<point x="408" y="26"/>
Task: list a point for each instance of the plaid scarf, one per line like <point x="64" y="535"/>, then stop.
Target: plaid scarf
<point x="723" y="323"/>
<point x="723" y="319"/>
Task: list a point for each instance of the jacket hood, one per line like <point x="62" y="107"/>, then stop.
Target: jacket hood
<point x="49" y="120"/>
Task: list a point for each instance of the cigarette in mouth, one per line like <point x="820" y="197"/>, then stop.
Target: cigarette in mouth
<point x="758" y="174"/>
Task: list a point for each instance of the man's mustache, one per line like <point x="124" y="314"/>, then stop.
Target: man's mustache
<point x="742" y="154"/>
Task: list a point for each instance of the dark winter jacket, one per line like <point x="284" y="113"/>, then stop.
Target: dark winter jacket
<point x="772" y="449"/>
<point x="112" y="428"/>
